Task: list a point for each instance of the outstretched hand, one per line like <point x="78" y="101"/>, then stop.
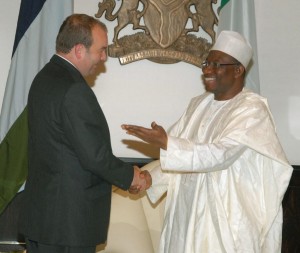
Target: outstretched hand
<point x="156" y="135"/>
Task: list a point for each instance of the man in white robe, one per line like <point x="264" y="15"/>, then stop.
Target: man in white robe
<point x="221" y="164"/>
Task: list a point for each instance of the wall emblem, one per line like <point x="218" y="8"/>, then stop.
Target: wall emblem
<point x="167" y="33"/>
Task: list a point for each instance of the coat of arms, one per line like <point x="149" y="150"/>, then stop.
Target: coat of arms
<point x="167" y="27"/>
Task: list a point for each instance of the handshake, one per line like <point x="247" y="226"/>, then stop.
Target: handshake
<point x="141" y="181"/>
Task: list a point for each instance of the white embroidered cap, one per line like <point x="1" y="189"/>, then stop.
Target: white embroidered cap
<point x="235" y="45"/>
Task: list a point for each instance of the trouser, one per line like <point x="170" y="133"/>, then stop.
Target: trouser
<point x="36" y="247"/>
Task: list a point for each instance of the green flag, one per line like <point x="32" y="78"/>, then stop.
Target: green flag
<point x="38" y="25"/>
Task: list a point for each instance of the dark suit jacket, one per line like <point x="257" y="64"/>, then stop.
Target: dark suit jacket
<point x="71" y="164"/>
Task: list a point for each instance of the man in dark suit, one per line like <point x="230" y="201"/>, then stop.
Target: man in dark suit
<point x="71" y="164"/>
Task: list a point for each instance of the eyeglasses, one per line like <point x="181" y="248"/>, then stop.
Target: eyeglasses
<point x="217" y="65"/>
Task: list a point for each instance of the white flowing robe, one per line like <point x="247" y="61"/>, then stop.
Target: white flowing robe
<point x="225" y="174"/>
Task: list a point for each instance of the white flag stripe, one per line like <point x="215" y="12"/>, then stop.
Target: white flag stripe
<point x="33" y="52"/>
<point x="239" y="16"/>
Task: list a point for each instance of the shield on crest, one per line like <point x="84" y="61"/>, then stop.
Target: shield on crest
<point x="166" y="20"/>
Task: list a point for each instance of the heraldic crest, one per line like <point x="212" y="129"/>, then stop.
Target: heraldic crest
<point x="165" y="36"/>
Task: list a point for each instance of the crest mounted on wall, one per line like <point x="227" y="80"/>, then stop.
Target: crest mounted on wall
<point x="165" y="35"/>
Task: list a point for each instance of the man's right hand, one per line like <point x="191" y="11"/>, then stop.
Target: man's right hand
<point x="141" y="181"/>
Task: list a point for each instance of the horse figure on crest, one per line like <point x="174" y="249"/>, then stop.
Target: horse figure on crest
<point x="128" y="13"/>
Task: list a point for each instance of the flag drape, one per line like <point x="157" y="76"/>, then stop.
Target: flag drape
<point x="38" y="25"/>
<point x="239" y="16"/>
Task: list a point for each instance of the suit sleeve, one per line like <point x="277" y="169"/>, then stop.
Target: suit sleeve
<point x="88" y="134"/>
